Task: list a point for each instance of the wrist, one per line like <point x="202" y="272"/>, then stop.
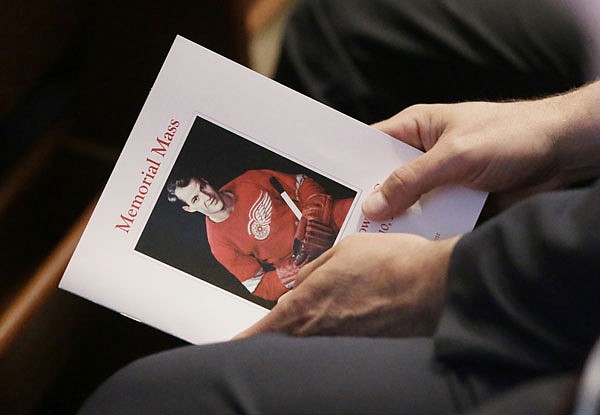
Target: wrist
<point x="430" y="310"/>
<point x="576" y="134"/>
<point x="444" y="249"/>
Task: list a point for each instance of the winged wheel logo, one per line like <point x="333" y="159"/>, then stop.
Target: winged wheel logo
<point x="259" y="223"/>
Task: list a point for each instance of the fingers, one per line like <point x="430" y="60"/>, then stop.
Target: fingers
<point x="277" y="320"/>
<point x="288" y="315"/>
<point x="315" y="264"/>
<point x="413" y="125"/>
<point x="407" y="183"/>
<point x="290" y="312"/>
<point x="420" y="126"/>
<point x="402" y="129"/>
<point x="287" y="280"/>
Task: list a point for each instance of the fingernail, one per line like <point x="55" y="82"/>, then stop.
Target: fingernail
<point x="375" y="204"/>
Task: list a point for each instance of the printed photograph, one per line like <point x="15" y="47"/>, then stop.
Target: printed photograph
<point x="242" y="217"/>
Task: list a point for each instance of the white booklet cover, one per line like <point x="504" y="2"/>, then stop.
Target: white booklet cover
<point x="209" y="117"/>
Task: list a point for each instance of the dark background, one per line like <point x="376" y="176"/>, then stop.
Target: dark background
<point x="178" y="238"/>
<point x="73" y="78"/>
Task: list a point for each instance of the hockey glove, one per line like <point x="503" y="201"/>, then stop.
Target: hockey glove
<point x="315" y="233"/>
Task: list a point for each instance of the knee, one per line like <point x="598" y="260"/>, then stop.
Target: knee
<point x="163" y="383"/>
<point x="125" y="392"/>
<point x="191" y="379"/>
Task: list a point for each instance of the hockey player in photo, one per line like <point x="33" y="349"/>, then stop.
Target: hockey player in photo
<point x="264" y="225"/>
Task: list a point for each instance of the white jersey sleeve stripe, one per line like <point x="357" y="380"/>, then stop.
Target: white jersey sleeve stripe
<point x="253" y="282"/>
<point x="299" y="180"/>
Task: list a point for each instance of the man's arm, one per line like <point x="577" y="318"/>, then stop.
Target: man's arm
<point x="264" y="284"/>
<point x="270" y="287"/>
<point x="523" y="287"/>
<point x="368" y="281"/>
<point x="316" y="230"/>
<point x="298" y="186"/>
<point x="368" y="285"/>
<point x="516" y="148"/>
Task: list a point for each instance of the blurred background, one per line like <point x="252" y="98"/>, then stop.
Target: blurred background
<point x="73" y="78"/>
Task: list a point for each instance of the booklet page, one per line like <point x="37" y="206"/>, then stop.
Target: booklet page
<point x="197" y="230"/>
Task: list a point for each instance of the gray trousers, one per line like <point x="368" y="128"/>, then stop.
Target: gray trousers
<point x="371" y="58"/>
<point x="276" y="374"/>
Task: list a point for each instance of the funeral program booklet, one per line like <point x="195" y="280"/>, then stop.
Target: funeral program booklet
<point x="205" y="217"/>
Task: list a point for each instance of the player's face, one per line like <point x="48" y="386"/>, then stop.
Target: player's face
<point x="200" y="196"/>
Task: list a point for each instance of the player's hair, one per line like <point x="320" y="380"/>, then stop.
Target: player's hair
<point x="173" y="185"/>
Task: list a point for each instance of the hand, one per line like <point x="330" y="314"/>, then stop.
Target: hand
<point x="315" y="233"/>
<point x="517" y="148"/>
<point x="368" y="284"/>
<point x="287" y="273"/>
<point x="312" y="238"/>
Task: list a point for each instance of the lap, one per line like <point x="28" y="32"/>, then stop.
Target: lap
<point x="280" y="374"/>
<point x="371" y="58"/>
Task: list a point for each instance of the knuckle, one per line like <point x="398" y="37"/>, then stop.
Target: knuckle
<point x="418" y="108"/>
<point x="349" y="241"/>
<point x="460" y="153"/>
<point x="401" y="178"/>
<point x="455" y="147"/>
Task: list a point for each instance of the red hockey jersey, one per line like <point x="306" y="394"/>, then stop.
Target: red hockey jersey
<point x="257" y="237"/>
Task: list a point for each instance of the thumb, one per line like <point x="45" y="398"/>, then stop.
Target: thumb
<point x="405" y="185"/>
<point x="403" y="127"/>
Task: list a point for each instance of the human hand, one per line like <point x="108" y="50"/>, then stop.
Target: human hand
<point x="368" y="284"/>
<point x="515" y="148"/>
<point x="312" y="238"/>
<point x="314" y="233"/>
<point x="287" y="273"/>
